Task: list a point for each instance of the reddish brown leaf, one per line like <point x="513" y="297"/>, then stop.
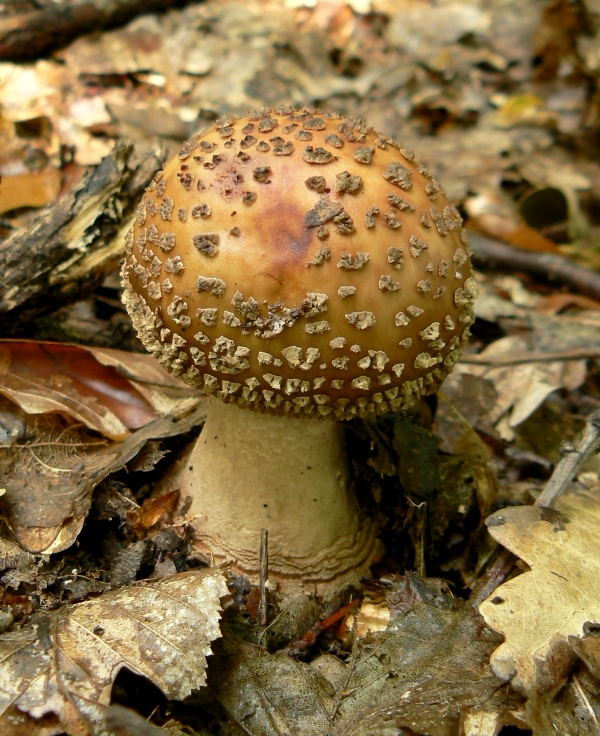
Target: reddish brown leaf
<point x="555" y="303"/>
<point x="44" y="377"/>
<point x="153" y="509"/>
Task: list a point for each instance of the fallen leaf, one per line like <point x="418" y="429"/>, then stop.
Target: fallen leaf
<point x="370" y="617"/>
<point x="271" y="693"/>
<point x="463" y="408"/>
<point x="153" y="509"/>
<point x="574" y="709"/>
<point x="12" y="555"/>
<point x="495" y="214"/>
<point x="458" y="489"/>
<point x="404" y="678"/>
<point x="64" y="663"/>
<point x="529" y="238"/>
<point x="555" y="303"/>
<point x="33" y="189"/>
<point x="588" y="648"/>
<point x="52" y="459"/>
<point x="49" y="479"/>
<point x="523" y="109"/>
<point x="539" y="610"/>
<point x="526" y="379"/>
<point x="50" y="377"/>
<point x="163" y="391"/>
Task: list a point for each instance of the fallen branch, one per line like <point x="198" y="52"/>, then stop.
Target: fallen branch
<point x="32" y="34"/>
<point x="551" y="267"/>
<point x="76" y="241"/>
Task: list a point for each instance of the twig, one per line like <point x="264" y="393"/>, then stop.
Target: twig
<point x="37" y="32"/>
<point x="494" y="576"/>
<point x="350" y="671"/>
<point x="264" y="574"/>
<point x="587" y="704"/>
<point x="501" y="360"/>
<point x="552" y="267"/>
<point x="571" y="461"/>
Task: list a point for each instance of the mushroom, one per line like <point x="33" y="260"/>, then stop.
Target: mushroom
<point x="300" y="268"/>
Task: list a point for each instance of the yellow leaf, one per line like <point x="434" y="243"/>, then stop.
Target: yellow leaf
<point x="539" y="610"/>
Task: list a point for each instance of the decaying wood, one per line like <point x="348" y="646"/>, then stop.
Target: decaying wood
<point x="31" y="34"/>
<point x="75" y="242"/>
<point x="546" y="266"/>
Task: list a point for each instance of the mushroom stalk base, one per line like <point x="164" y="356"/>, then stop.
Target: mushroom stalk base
<point x="251" y="471"/>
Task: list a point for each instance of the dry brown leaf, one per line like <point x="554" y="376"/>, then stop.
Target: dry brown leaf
<point x="529" y="238"/>
<point x="463" y="407"/>
<point x="539" y="610"/>
<point x="48" y="480"/>
<point x="11" y="555"/>
<point x="165" y="393"/>
<point x="50" y="377"/>
<point x="521" y="388"/>
<point x="51" y="459"/>
<point x="271" y="694"/>
<point x="401" y="678"/>
<point x="65" y="662"/>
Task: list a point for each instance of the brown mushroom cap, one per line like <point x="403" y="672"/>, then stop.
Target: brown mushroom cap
<point x="300" y="263"/>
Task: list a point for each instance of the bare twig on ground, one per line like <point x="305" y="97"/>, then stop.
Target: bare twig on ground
<point x="264" y="574"/>
<point x="75" y="242"/>
<point x="32" y="34"/>
<point x="494" y="576"/>
<point x="573" y="457"/>
<point x="552" y="267"/>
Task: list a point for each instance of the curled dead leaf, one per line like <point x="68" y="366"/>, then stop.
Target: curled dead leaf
<point x="49" y="478"/>
<point x="48" y="377"/>
<point x="59" y="399"/>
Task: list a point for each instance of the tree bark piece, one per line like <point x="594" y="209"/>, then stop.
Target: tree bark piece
<point x="32" y="34"/>
<point x="75" y="242"/>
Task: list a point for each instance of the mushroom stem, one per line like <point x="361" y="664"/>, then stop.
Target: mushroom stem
<point x="250" y="471"/>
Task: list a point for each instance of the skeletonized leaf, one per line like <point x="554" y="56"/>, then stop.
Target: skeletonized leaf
<point x="49" y="479"/>
<point x="65" y="662"/>
<point x="539" y="610"/>
<point x="407" y="677"/>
